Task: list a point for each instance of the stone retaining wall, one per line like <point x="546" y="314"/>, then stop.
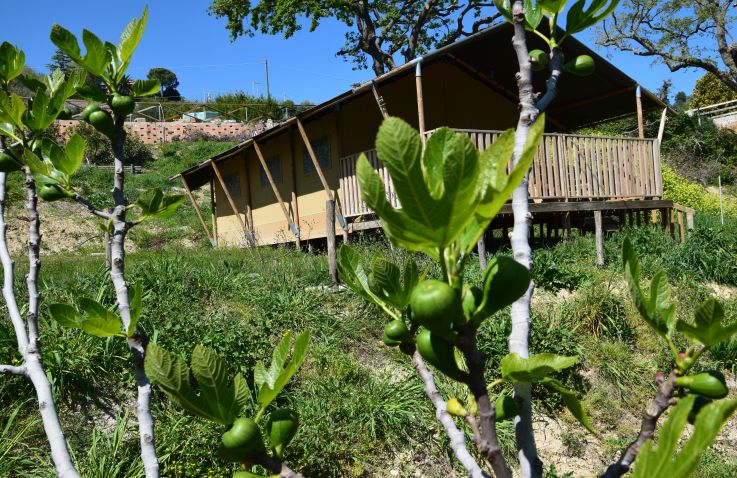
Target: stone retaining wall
<point x="152" y="133"/>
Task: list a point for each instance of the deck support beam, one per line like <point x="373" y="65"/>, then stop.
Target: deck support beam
<point x="330" y="236"/>
<point x="598" y="227"/>
<point x="246" y="234"/>
<point x="213" y="209"/>
<point x="320" y="173"/>
<point x="295" y="194"/>
<point x="420" y="100"/>
<point x="640" y="117"/>
<point x="275" y="189"/>
<point x="379" y="100"/>
<point x="197" y="210"/>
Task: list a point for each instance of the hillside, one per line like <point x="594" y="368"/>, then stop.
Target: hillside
<point x="362" y="407"/>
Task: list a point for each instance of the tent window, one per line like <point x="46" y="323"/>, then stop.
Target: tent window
<point x="274" y="166"/>
<point x="233" y="183"/>
<point x="321" y="146"/>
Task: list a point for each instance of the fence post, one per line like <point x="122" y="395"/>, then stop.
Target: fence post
<point x="599" y="238"/>
<point x="330" y="234"/>
<point x="481" y="245"/>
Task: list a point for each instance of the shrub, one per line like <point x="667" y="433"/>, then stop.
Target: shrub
<point x="683" y="192"/>
<point x="99" y="149"/>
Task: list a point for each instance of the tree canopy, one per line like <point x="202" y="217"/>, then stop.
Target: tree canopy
<point x="378" y="31"/>
<point x="709" y="90"/>
<point x="169" y="82"/>
<point x="679" y="33"/>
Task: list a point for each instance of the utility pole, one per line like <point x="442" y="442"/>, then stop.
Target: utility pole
<point x="268" y="91"/>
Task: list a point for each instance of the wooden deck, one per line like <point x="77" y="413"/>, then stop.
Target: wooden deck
<point x="566" y="167"/>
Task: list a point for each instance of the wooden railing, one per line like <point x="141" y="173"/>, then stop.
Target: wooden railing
<point x="566" y="167"/>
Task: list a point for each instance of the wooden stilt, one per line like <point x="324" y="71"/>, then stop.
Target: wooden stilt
<point x="640" y="118"/>
<point x="654" y="216"/>
<point x="481" y="245"/>
<point x="566" y="226"/>
<point x="295" y="195"/>
<point x="681" y="226"/>
<point x="197" y="210"/>
<point x="638" y="216"/>
<point x="664" y="220"/>
<point x="420" y="101"/>
<point x="330" y="232"/>
<point x="599" y="238"/>
<point x="213" y="209"/>
<point x="672" y="223"/>
<point x="246" y="235"/>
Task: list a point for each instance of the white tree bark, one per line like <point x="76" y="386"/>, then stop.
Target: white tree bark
<point x="457" y="437"/>
<point x="137" y="343"/>
<point x="530" y="464"/>
<point x="28" y="344"/>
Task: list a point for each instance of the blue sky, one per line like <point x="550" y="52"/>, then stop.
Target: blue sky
<point x="182" y="36"/>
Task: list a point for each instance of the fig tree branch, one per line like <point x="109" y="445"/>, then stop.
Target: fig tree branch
<point x="13" y="370"/>
<point x="91" y="208"/>
<point x="456" y="436"/>
<point x="663" y="399"/>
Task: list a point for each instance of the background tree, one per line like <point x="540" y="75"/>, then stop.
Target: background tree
<point x="169" y="82"/>
<point x="678" y="33"/>
<point x="709" y="90"/>
<point x="663" y="92"/>
<point x="681" y="100"/>
<point x="379" y="30"/>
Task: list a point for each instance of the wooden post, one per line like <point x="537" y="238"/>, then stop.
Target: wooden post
<point x="330" y="233"/>
<point x="654" y="216"/>
<point x="274" y="188"/>
<point x="672" y="223"/>
<point x="689" y="220"/>
<point x="664" y="220"/>
<point x="599" y="238"/>
<point x="640" y="118"/>
<point x="566" y="226"/>
<point x="481" y="245"/>
<point x="638" y="216"/>
<point x="661" y="130"/>
<point x="316" y="163"/>
<point x="246" y="235"/>
<point x="681" y="226"/>
<point x="213" y="209"/>
<point x="249" y="202"/>
<point x="295" y="195"/>
<point x="420" y="100"/>
<point x="197" y="210"/>
<point x="379" y="101"/>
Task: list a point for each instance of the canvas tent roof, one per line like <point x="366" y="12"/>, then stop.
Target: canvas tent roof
<point x="489" y="56"/>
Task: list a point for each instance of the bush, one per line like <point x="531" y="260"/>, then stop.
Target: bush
<point x="683" y="192"/>
<point x="99" y="150"/>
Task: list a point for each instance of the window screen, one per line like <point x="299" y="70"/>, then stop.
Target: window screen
<point x="233" y="183"/>
<point x="274" y="166"/>
<point x="321" y="146"/>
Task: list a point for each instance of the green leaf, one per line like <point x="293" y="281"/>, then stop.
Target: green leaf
<point x="533" y="14"/>
<point x="352" y="273"/>
<point x="505" y="280"/>
<point x="66" y="42"/>
<point x="146" y="87"/>
<point x="385" y="281"/>
<point x="171" y="374"/>
<point x="65" y="315"/>
<point x="278" y="375"/>
<point x="12" y="61"/>
<point x="135" y="295"/>
<point x="96" y="58"/>
<point x="571" y="402"/>
<point x="580" y="18"/>
<point x="169" y="206"/>
<point x="535" y="368"/>
<point x="150" y="201"/>
<point x="655" y="309"/>
<point x="505" y="8"/>
<point x="131" y="36"/>
<point x="74" y="155"/>
<point x="92" y="93"/>
<point x="12" y="109"/>
<point x="35" y="164"/>
<point x="708" y="329"/>
<point x="99" y="321"/>
<point x="552" y="6"/>
<point x="664" y="460"/>
<point x="210" y="371"/>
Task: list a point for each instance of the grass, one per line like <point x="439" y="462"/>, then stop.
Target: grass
<point x="362" y="409"/>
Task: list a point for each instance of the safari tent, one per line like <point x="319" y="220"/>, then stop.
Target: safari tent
<point x="273" y="187"/>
